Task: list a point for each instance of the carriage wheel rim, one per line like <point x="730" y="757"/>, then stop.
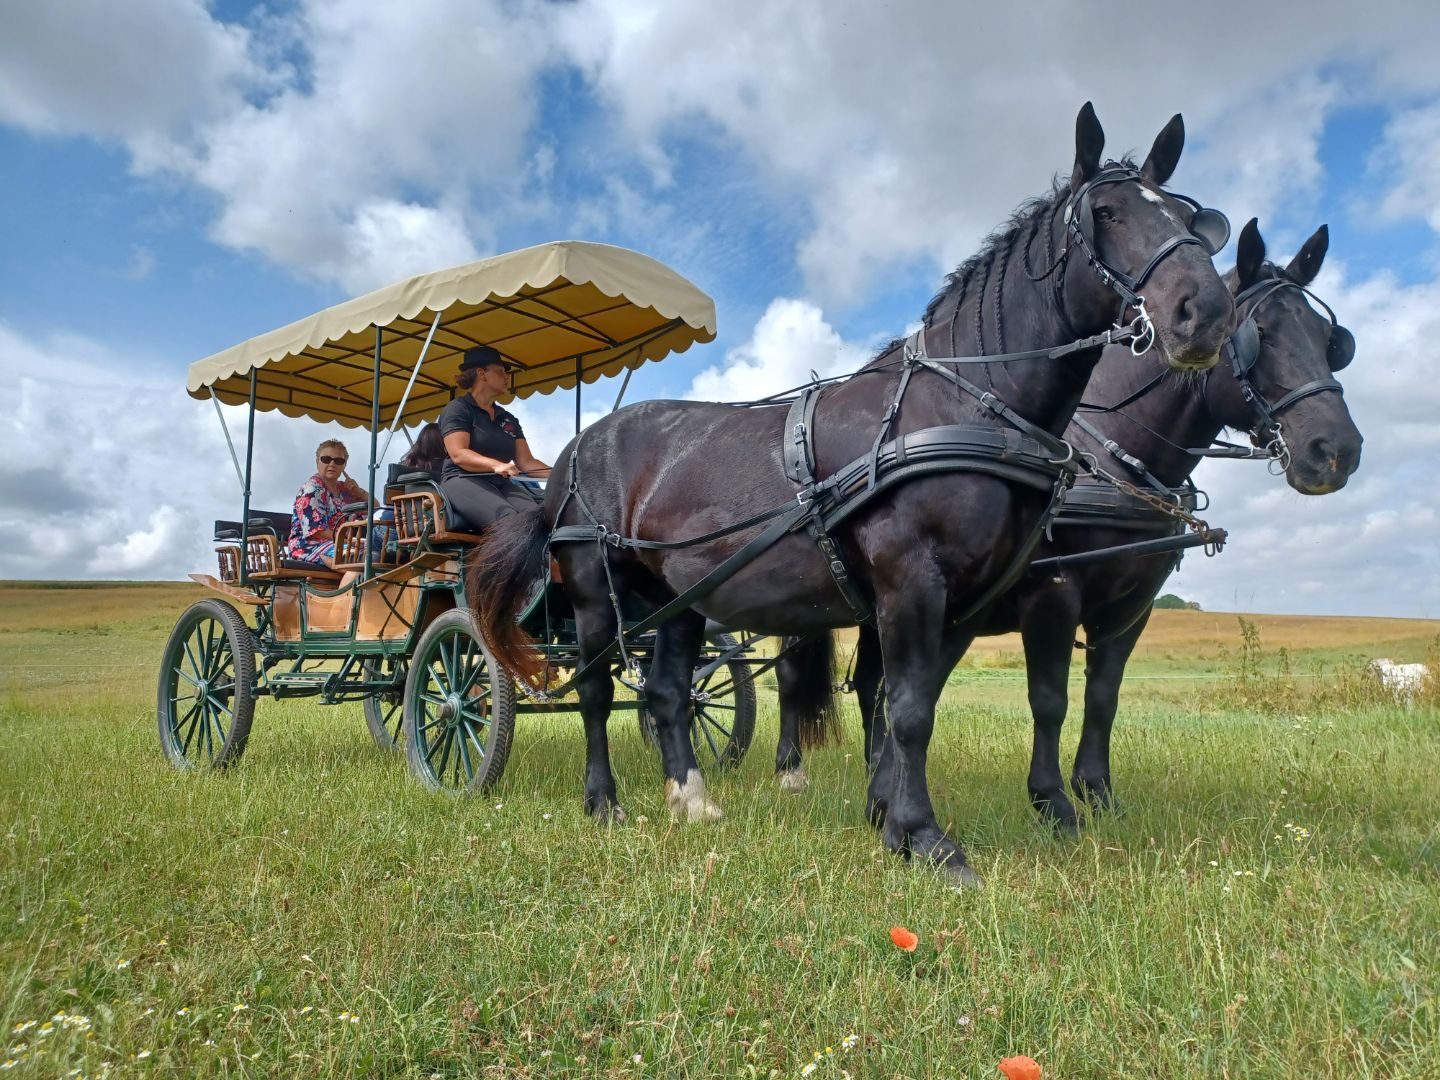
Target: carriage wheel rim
<point x="200" y="722"/>
<point x="454" y="711"/>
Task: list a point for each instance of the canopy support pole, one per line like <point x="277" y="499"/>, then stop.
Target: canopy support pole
<point x="239" y="477"/>
<point x="579" y="370"/>
<point x="405" y="397"/>
<point x="245" y="494"/>
<point x="623" y="386"/>
<point x="374" y="464"/>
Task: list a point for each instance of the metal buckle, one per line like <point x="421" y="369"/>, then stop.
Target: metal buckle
<point x="990" y="401"/>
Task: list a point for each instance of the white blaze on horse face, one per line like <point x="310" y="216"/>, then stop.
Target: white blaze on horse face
<point x="1159" y="200"/>
<point x="690" y="799"/>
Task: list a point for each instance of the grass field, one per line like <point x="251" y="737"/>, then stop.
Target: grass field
<point x="1268" y="905"/>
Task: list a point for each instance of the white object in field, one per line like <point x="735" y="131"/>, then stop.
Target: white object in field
<point x="1402" y="680"/>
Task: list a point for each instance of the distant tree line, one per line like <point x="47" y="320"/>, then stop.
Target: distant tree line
<point x="1171" y="602"/>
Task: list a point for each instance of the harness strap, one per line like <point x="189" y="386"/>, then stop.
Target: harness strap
<point x="1119" y="453"/>
<point x="797" y="438"/>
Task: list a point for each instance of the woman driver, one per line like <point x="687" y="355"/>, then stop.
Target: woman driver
<point x="485" y="444"/>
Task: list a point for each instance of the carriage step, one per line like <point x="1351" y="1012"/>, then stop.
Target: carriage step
<point x="300" y="682"/>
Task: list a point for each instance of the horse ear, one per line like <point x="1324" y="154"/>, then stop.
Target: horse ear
<point x="1249" y="254"/>
<point x="1089" y="144"/>
<point x="1165" y="154"/>
<point x="1306" y="265"/>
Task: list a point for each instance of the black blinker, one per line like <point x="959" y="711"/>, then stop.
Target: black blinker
<point x="1342" y="348"/>
<point x="1244" y="347"/>
<point x="1212" y="227"/>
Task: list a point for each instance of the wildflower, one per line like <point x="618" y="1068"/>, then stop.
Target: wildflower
<point x="183" y="1011"/>
<point x="354" y="1019"/>
<point x="1020" y="1067"/>
<point x="637" y="1059"/>
<point x="306" y="958"/>
<point x="142" y="1055"/>
<point x="964" y="1021"/>
<point x="849" y="1042"/>
<point x="499" y="806"/>
<point x="45" y="1030"/>
<point x="809" y="1069"/>
<point x="1214" y="863"/>
<point x="343" y="1017"/>
<point x="306" y="1009"/>
<point x="122" y="965"/>
<point x="24" y="1026"/>
<point x="8" y="1064"/>
<point x="238" y="1007"/>
<point x="546" y="817"/>
<point x="209" y="1042"/>
<point x="903" y="938"/>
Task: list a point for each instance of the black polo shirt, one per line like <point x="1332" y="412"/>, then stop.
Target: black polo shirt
<point x="493" y="438"/>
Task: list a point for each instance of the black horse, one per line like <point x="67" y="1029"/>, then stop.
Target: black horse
<point x="1278" y="385"/>
<point x="922" y="551"/>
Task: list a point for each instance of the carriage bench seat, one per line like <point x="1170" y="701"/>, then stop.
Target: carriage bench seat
<point x="274" y="522"/>
<point x="425" y="514"/>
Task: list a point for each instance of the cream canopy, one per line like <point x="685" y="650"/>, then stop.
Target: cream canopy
<point x="554" y="311"/>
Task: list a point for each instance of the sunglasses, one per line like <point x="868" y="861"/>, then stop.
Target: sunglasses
<point x="326" y="459"/>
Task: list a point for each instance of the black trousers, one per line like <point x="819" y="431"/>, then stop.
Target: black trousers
<point x="484" y="500"/>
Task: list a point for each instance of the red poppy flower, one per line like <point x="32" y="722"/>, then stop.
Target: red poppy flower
<point x="1020" y="1067"/>
<point x="903" y="938"/>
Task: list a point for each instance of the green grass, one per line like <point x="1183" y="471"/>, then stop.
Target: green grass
<point x="1268" y="905"/>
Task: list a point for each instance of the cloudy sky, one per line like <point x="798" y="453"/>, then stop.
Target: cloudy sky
<point x="179" y="176"/>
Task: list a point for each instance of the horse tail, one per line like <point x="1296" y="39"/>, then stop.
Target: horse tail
<point x="503" y="570"/>
<point x="813" y="698"/>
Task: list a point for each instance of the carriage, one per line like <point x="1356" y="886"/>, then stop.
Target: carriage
<point x="400" y="637"/>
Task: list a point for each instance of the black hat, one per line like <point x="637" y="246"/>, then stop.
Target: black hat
<point x="482" y="356"/>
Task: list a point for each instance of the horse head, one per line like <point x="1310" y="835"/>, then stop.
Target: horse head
<point x="1280" y="381"/>
<point x="1150" y="251"/>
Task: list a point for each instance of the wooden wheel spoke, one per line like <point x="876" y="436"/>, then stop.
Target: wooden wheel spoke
<point x="193" y="719"/>
<point x="463" y="739"/>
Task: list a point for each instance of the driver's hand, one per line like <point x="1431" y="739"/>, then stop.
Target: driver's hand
<point x="508" y="468"/>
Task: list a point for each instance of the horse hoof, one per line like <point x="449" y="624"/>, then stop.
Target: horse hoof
<point x="690" y="801"/>
<point x="609" y="814"/>
<point x="964" y="879"/>
<point x="793" y="781"/>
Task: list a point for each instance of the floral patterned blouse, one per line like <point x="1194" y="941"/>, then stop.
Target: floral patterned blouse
<point x="316" y="508"/>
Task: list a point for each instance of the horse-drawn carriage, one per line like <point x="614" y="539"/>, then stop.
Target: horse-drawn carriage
<point x="399" y="636"/>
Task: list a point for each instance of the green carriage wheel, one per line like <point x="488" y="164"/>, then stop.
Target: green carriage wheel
<point x="723" y="721"/>
<point x="385" y="711"/>
<point x="206" y="698"/>
<point x="459" y="709"/>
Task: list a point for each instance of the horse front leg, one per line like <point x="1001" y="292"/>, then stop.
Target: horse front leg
<point x="1048" y="631"/>
<point x="1104" y="672"/>
<point x="918" y="654"/>
<point x="667" y="692"/>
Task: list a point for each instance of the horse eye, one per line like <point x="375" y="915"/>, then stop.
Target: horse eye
<point x="1104" y="213"/>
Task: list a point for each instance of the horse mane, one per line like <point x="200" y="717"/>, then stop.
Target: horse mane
<point x="1026" y="219"/>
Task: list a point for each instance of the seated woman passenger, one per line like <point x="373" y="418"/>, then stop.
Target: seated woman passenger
<point x="485" y="445"/>
<point x="428" y="453"/>
<point x="319" y="507"/>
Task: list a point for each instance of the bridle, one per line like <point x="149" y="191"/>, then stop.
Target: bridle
<point x="1244" y="350"/>
<point x="1208" y="228"/>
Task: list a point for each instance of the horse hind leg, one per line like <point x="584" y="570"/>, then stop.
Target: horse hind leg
<point x="596" y="628"/>
<point x="667" y="693"/>
<point x="805" y="678"/>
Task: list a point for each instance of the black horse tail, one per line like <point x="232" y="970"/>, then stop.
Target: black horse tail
<point x="504" y="568"/>
<point x="813" y="691"/>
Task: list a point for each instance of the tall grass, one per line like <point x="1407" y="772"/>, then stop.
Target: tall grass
<point x="1268" y="904"/>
